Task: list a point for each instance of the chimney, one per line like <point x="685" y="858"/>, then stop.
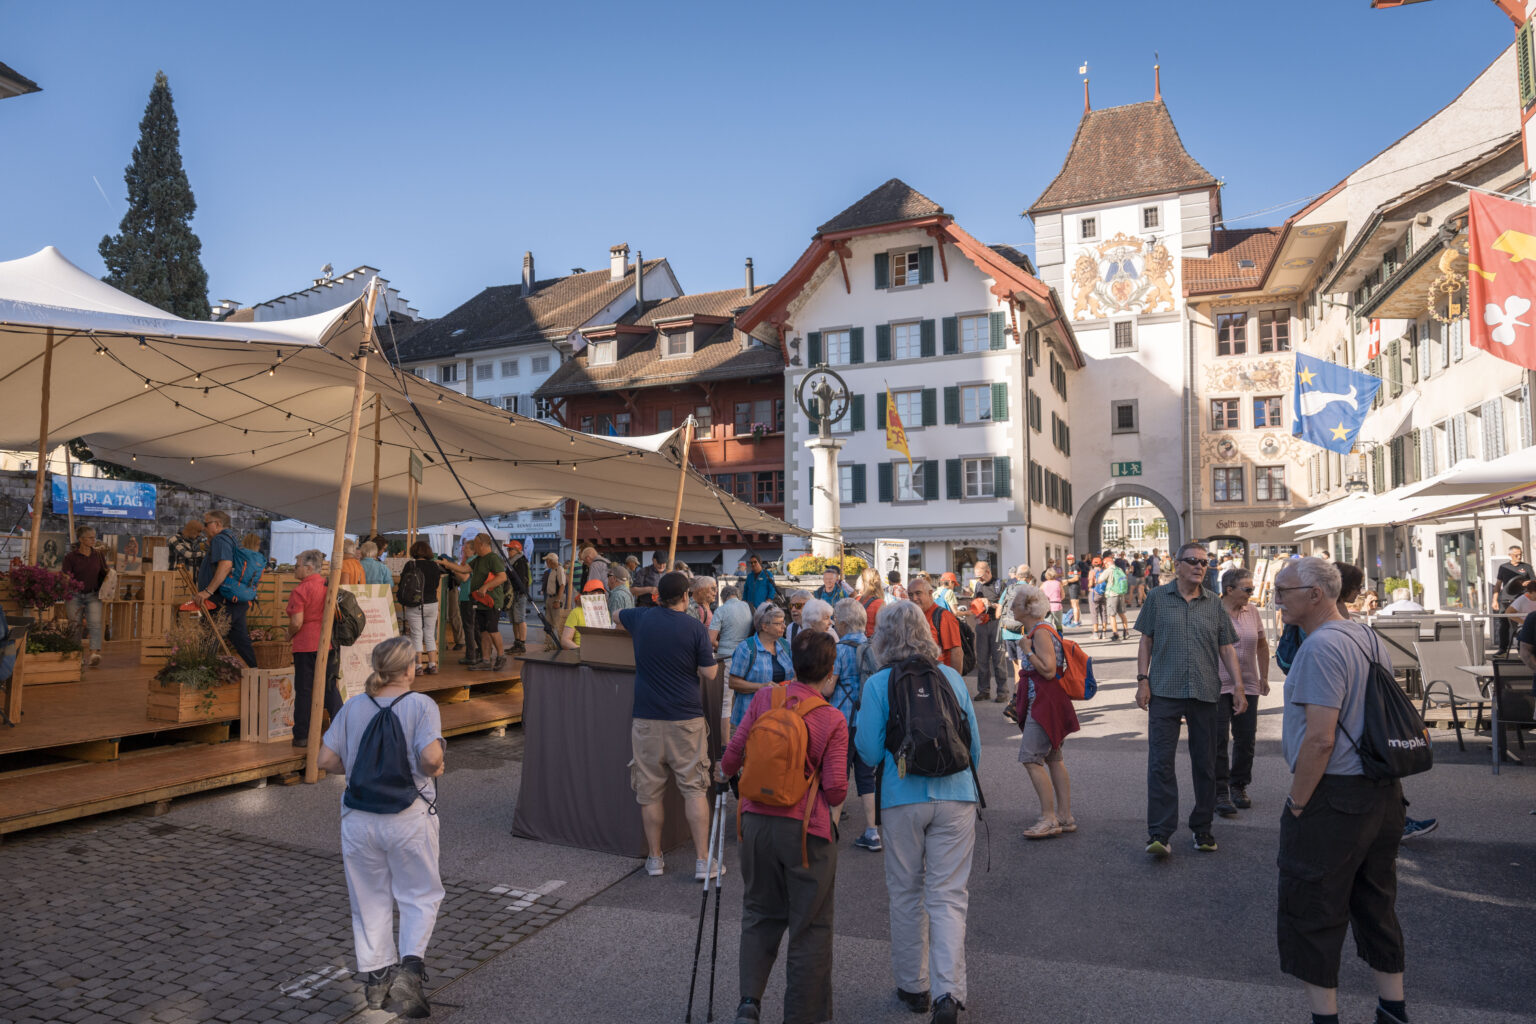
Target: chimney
<point x="1086" y="106"/>
<point x="618" y="261"/>
<point x="749" y="276"/>
<point x="1157" y="83"/>
<point x="639" y="278"/>
<point x="528" y="277"/>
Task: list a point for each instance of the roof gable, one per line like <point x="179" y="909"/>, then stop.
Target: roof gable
<point x="891" y="203"/>
<point x="1238" y="262"/>
<point x="1121" y="153"/>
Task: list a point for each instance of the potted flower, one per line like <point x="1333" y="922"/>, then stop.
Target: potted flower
<point x="760" y="431"/>
<point x="198" y="680"/>
<point x="52" y="654"/>
<point x="40" y="589"/>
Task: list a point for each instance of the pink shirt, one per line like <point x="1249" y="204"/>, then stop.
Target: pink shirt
<point x="1053" y="590"/>
<point x="826" y="746"/>
<point x="1249" y="629"/>
<point x="308" y="597"/>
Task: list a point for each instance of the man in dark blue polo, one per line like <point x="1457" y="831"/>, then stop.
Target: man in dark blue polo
<point x="1184" y="630"/>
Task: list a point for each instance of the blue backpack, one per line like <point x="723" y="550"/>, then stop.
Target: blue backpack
<point x="380" y="780"/>
<point x="244" y="573"/>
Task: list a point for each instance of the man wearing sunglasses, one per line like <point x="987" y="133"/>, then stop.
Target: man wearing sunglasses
<point x="1185" y="635"/>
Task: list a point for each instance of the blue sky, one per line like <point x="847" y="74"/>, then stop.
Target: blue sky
<point x="438" y="142"/>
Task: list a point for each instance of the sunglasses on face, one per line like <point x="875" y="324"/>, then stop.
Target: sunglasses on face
<point x="1243" y="590"/>
<point x="1199" y="563"/>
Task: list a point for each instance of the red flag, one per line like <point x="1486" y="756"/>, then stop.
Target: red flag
<point x="1373" y="339"/>
<point x="1501" y="276"/>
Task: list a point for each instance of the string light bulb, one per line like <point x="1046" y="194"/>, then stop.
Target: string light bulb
<point x="146" y="383"/>
<point x="192" y="462"/>
<point x="272" y="372"/>
<point x="197" y="377"/>
<point x="135" y="458"/>
<point x="142" y="342"/>
<point x="311" y="431"/>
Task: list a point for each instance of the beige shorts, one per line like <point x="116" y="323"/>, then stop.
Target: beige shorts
<point x="1035" y="746"/>
<point x="660" y="746"/>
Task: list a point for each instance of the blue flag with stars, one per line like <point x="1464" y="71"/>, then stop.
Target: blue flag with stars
<point x="1330" y="402"/>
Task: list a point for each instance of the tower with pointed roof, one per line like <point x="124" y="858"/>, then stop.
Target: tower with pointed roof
<point x="1112" y="231"/>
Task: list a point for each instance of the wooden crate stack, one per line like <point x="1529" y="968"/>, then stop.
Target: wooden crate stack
<point x="162" y="593"/>
<point x="270" y="609"/>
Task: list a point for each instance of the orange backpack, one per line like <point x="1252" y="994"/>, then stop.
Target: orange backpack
<point x="775" y="767"/>
<point x="1075" y="674"/>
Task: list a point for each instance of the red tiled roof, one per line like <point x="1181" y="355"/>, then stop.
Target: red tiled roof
<point x="1238" y="261"/>
<point x="891" y="203"/>
<point x="1121" y="153"/>
<point x="723" y="303"/>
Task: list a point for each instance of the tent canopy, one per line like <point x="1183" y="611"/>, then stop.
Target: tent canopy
<point x="259" y="412"/>
<point x="1468" y="478"/>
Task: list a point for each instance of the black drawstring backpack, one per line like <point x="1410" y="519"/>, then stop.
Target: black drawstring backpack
<point x="1394" y="742"/>
<point x="380" y="779"/>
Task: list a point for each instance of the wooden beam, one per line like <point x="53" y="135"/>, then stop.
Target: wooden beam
<point x="570" y="577"/>
<point x="69" y="490"/>
<point x="42" y="453"/>
<point x="941" y="238"/>
<point x="373" y="513"/>
<point x="95" y="750"/>
<point x="682" y="480"/>
<point x="333" y="585"/>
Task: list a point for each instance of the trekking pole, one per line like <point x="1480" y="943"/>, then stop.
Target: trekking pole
<point x="698" y="938"/>
<point x="719" y="854"/>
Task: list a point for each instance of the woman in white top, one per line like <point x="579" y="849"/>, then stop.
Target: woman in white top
<point x="390" y="858"/>
<point x="1234" y="776"/>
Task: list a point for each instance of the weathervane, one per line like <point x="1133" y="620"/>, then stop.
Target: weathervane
<point x="824" y="387"/>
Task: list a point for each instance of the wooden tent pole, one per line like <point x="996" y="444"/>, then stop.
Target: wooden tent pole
<point x="69" y="491"/>
<point x="373" y="513"/>
<point x="570" y="577"/>
<point x="682" y="479"/>
<point x="42" y="455"/>
<point x="333" y="585"/>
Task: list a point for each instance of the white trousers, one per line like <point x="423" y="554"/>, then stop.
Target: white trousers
<point x="928" y="849"/>
<point x="391" y="859"/>
<point x="421" y="626"/>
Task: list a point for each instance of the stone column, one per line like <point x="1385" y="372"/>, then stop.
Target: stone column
<point x="826" y="502"/>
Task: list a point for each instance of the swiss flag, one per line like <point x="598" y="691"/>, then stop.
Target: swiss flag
<point x="1373" y="339"/>
<point x="1501" y="278"/>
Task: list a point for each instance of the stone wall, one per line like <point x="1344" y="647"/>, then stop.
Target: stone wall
<point x="174" y="506"/>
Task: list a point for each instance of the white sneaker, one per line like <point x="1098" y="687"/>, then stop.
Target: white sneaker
<point x="698" y="870"/>
<point x="655" y="866"/>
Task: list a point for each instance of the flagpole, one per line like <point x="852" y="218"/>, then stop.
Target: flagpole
<point x="1491" y="192"/>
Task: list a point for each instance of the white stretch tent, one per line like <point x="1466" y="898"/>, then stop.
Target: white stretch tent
<point x="259" y="412"/>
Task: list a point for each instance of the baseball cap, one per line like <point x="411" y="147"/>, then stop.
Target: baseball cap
<point x="515" y="545"/>
<point x="594" y="586"/>
<point x="949" y="577"/>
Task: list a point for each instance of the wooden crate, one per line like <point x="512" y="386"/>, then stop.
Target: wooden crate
<point x="267" y="696"/>
<point x="169" y="702"/>
<point x="122" y="619"/>
<point x="153" y="650"/>
<point x="36" y="669"/>
<point x="270" y="608"/>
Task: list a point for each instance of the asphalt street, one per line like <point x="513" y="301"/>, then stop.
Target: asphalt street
<point x="1082" y="927"/>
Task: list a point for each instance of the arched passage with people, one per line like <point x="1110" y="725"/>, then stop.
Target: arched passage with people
<point x="1088" y="524"/>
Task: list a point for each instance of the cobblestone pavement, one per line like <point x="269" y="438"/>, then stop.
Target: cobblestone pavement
<point x="138" y="920"/>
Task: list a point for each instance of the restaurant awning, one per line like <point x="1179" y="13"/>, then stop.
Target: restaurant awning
<point x="1513" y="472"/>
<point x="1394" y="508"/>
<point x="260" y="412"/>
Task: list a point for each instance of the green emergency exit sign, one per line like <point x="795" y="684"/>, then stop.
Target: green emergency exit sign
<point x="1125" y="469"/>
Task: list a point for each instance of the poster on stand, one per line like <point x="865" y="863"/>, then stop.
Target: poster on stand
<point x="594" y="609"/>
<point x="357" y="660"/>
<point x="891" y="555"/>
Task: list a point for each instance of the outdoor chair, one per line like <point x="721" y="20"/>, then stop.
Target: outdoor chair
<point x="1469" y="634"/>
<point x="1517" y="705"/>
<point x="1398" y="640"/>
<point x="1446" y="685"/>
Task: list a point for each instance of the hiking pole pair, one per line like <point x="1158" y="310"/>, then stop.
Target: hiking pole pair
<point x="713" y="871"/>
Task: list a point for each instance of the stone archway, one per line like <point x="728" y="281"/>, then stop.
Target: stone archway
<point x="1090" y="516"/>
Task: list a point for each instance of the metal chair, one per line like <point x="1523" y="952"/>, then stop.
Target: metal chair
<point x="1446" y="685"/>
<point x="1467" y="632"/>
<point x="1399" y="639"/>
<point x="1516" y="707"/>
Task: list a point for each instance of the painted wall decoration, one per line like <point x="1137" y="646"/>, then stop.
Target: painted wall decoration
<point x="1122" y="275"/>
<point x="1263" y="375"/>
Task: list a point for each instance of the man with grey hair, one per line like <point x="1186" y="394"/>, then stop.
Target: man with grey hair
<point x="1185" y="632"/>
<point x="619" y="595"/>
<point x="991" y="658"/>
<point x="1340" y="832"/>
<point x="732" y="623"/>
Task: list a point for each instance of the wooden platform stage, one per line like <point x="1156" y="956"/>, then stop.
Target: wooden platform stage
<point x="89" y="747"/>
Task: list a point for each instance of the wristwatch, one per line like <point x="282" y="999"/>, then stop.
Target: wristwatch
<point x="1292" y="805"/>
<point x="1143" y="676"/>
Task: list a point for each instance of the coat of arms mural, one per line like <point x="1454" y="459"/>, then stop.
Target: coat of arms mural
<point x="1122" y="275"/>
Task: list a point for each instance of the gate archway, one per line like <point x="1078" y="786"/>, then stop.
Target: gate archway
<point x="1090" y="516"/>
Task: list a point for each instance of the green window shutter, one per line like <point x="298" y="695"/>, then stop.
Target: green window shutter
<point x="885" y="481"/>
<point x="931" y="479"/>
<point x="1413" y="354"/>
<point x="926" y="339"/>
<point x="925" y="265"/>
<point x="996" y="325"/>
<point x="951" y="335"/>
<point x="883" y="342"/>
<point x="1066" y="437"/>
<point x="1002" y="476"/>
<point x="859" y="493"/>
<point x="810" y="478"/>
<point x="880" y="410"/>
<point x="952" y="405"/>
<point x="1523" y="60"/>
<point x="1066" y="498"/>
<point x="813" y="348"/>
<point x="856" y="412"/>
<point x="1395" y="368"/>
<point x="952" y="479"/>
<point x="1000" y="403"/>
<point x="856" y="345"/>
<point x="882" y="270"/>
<point x="930" y="407"/>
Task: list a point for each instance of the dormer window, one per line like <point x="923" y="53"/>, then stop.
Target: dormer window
<point x="604" y="353"/>
<point x="676" y="344"/>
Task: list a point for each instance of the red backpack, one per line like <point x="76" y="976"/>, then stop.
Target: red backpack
<point x="775" y="767"/>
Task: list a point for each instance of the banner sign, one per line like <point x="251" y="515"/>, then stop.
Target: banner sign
<point x="112" y="499"/>
<point x="357" y="660"/>
<point x="891" y="555"/>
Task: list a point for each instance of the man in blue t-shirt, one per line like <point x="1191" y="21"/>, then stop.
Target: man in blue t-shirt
<point x="673" y="659"/>
<point x="218" y="564"/>
<point x="758" y="585"/>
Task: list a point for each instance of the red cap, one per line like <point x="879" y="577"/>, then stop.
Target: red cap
<point x="949" y="577"/>
<point x="515" y="545"/>
<point x="594" y="586"/>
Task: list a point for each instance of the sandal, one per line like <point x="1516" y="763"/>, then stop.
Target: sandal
<point x="1070" y="825"/>
<point x="1045" y="828"/>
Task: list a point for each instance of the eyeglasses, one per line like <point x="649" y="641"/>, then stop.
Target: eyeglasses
<point x="1243" y="590"/>
<point x="1281" y="590"/>
<point x="1199" y="563"/>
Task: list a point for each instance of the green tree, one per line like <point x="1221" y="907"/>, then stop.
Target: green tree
<point x="155" y="256"/>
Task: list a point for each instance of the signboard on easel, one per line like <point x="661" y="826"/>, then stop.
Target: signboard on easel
<point x="378" y="605"/>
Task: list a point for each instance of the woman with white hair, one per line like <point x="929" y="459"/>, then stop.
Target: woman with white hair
<point x="374" y="571"/>
<point x="929" y="824"/>
<point x="701" y="595"/>
<point x="762" y="659"/>
<point x="351" y="566"/>
<point x="817" y="615"/>
<point x="855" y="663"/>
<point x="1046" y="713"/>
<point x="390" y="852"/>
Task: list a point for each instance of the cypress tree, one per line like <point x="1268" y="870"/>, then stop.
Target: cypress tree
<point x="155" y="256"/>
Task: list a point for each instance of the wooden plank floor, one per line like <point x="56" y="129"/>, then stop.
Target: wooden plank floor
<point x="42" y="798"/>
<point x="479" y="713"/>
<point x="109" y="702"/>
